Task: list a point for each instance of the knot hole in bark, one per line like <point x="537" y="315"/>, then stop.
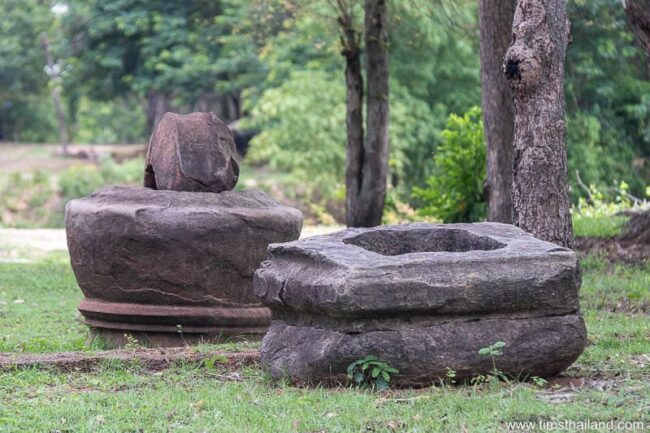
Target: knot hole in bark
<point x="512" y="69"/>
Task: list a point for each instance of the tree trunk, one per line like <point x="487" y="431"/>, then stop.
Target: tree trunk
<point x="157" y="105"/>
<point x="56" y="96"/>
<point x="366" y="167"/>
<point x="534" y="66"/>
<point x="354" y="116"/>
<point x="638" y="15"/>
<point x="495" y="22"/>
<point x="371" y="195"/>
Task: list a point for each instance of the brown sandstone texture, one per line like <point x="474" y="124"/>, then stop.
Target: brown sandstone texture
<point x="174" y="263"/>
<point x="424" y="298"/>
<point x="191" y="152"/>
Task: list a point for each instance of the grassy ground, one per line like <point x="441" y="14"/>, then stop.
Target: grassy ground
<point x="600" y="227"/>
<point x="37" y="314"/>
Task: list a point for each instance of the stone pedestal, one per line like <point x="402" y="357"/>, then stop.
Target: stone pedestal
<point x="174" y="267"/>
<point x="424" y="298"/>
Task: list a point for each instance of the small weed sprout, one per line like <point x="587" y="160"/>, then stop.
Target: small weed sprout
<point x="370" y="371"/>
<point x="493" y="351"/>
<point x="131" y="342"/>
<point x="451" y="375"/>
<point x="538" y="381"/>
<point x="211" y="362"/>
<point x="478" y="380"/>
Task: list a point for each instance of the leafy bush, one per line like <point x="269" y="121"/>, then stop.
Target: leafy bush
<point x="26" y="200"/>
<point x="600" y="213"/>
<point x="303" y="130"/>
<point x="454" y="192"/>
<point x="303" y="133"/>
<point x="83" y="179"/>
<point x="370" y="371"/>
<point x="79" y="181"/>
<point x="608" y="98"/>
<point x="29" y="200"/>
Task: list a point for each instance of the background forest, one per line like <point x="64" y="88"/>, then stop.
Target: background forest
<point x="274" y="71"/>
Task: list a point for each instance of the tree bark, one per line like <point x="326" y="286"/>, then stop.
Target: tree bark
<point x="495" y="22"/>
<point x="534" y="67"/>
<point x="638" y="15"/>
<point x="157" y="105"/>
<point x="56" y="96"/>
<point x="371" y="195"/>
<point x="351" y="42"/>
<point x="366" y="168"/>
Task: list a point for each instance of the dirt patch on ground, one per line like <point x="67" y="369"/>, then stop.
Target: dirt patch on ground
<point x="151" y="359"/>
<point x="614" y="250"/>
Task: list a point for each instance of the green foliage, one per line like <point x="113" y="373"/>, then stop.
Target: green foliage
<point x="608" y="98"/>
<point x="26" y="111"/>
<point x="113" y="122"/>
<point x="237" y="57"/>
<point x="83" y="179"/>
<point x="37" y="199"/>
<point x="603" y="227"/>
<point x="26" y="200"/>
<point x="370" y="371"/>
<point x="434" y="53"/>
<point x="600" y="213"/>
<point x="301" y="110"/>
<point x="79" y="181"/>
<point x="211" y="363"/>
<point x="495" y="349"/>
<point x="455" y="191"/>
<point x="311" y="148"/>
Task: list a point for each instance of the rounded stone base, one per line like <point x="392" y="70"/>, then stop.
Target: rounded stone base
<point x="175" y="264"/>
<point x="165" y="325"/>
<point x="541" y="346"/>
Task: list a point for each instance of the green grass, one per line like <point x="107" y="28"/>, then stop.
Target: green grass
<point x="615" y="287"/>
<point x="193" y="398"/>
<point x="38" y="307"/>
<point x="598" y="227"/>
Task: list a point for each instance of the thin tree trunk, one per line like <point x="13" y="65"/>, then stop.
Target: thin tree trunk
<point x="495" y="22"/>
<point x="534" y="66"/>
<point x="372" y="193"/>
<point x="157" y="105"/>
<point x="56" y="96"/>
<point x="351" y="42"/>
<point x="366" y="168"/>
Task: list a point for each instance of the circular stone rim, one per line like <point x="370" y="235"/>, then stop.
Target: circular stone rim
<point x="167" y="318"/>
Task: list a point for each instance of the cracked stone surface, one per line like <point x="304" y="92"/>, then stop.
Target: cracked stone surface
<point x="191" y="152"/>
<point x="422" y="297"/>
<point x="157" y="259"/>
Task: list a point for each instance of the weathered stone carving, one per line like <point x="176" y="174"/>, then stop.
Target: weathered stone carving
<point x="423" y="298"/>
<point x="175" y="266"/>
<point x="191" y="152"/>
